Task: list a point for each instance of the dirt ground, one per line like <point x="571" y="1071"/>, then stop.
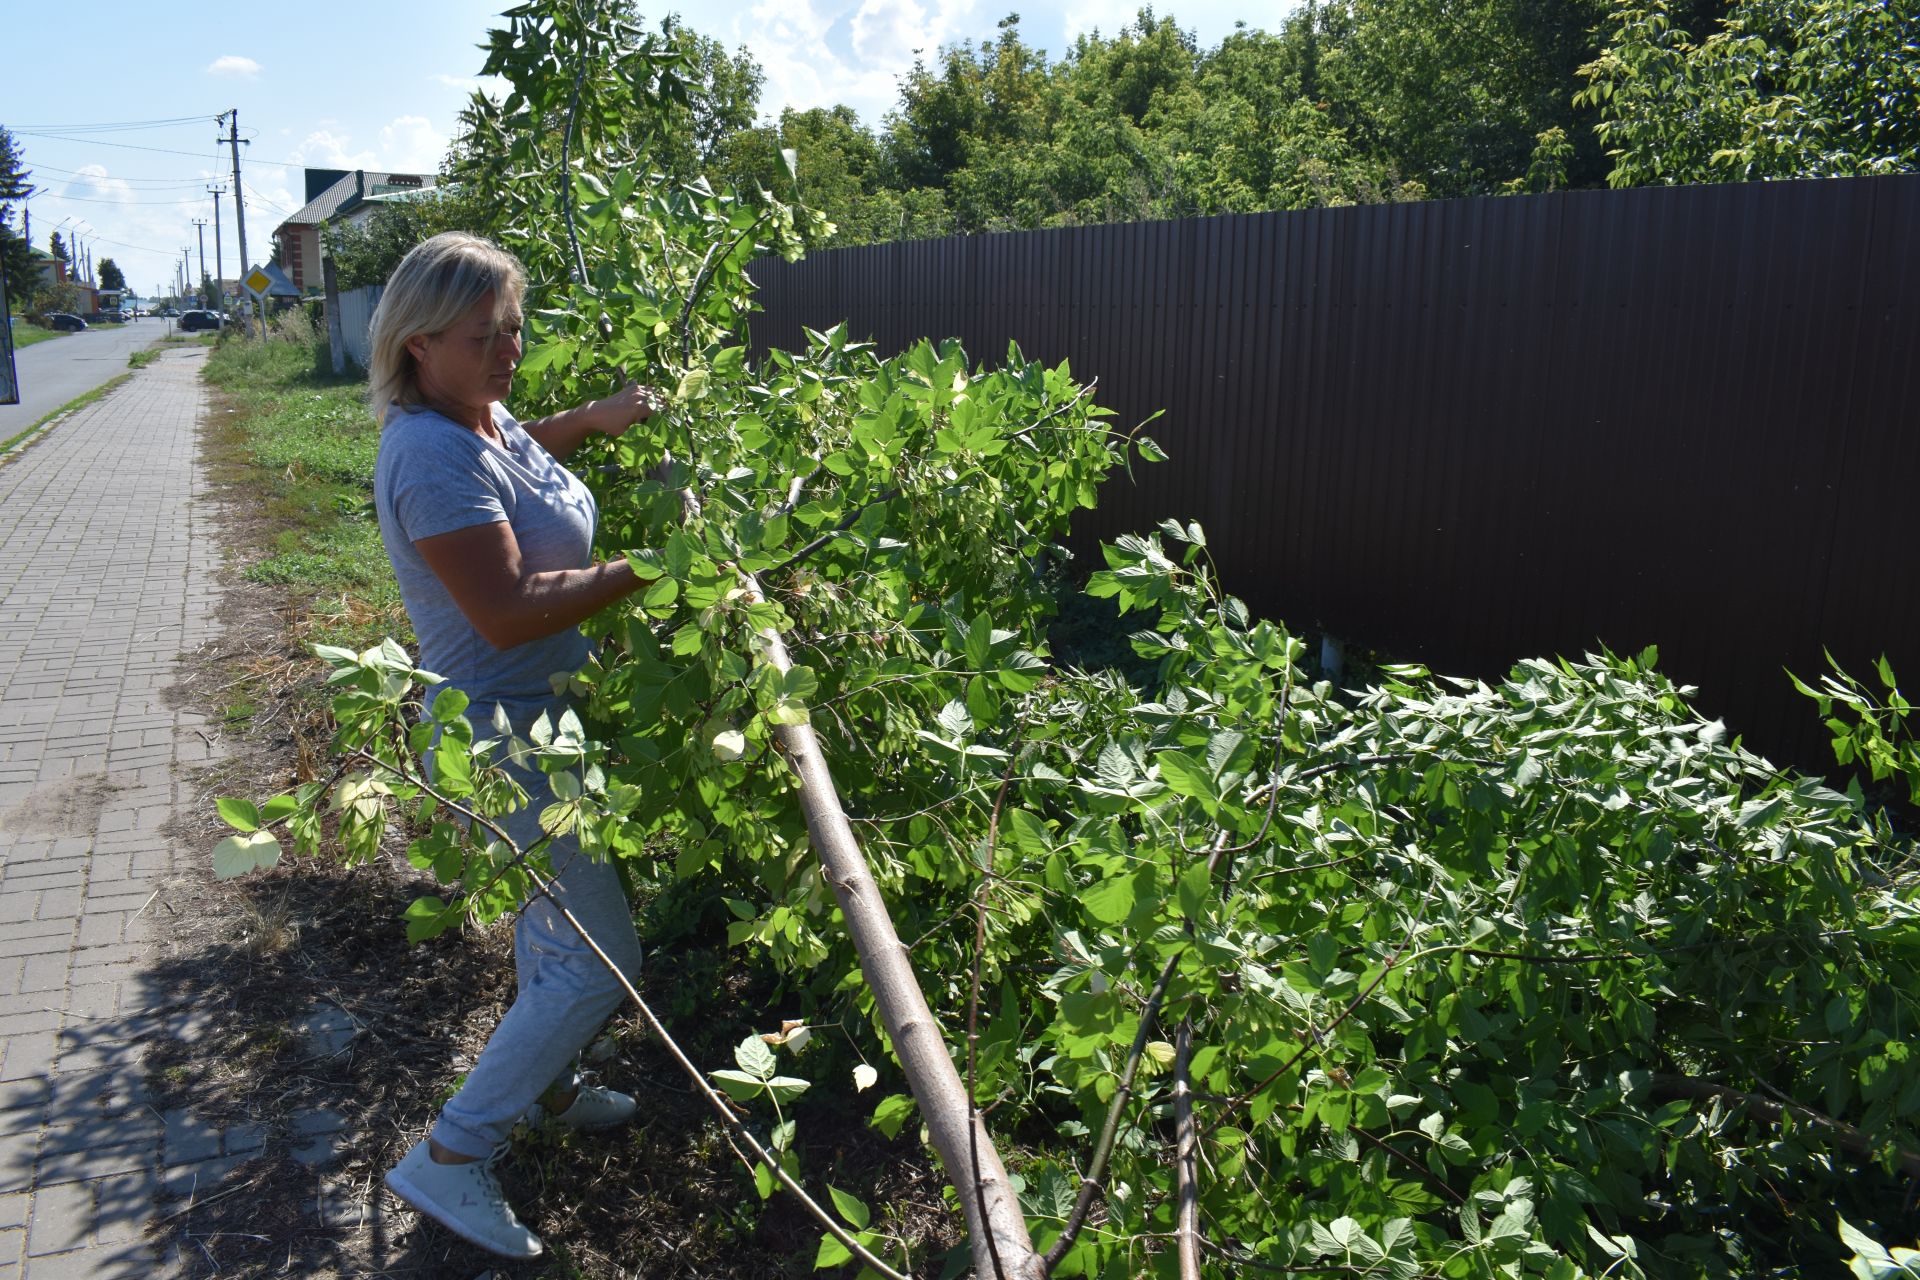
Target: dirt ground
<point x="315" y="1020"/>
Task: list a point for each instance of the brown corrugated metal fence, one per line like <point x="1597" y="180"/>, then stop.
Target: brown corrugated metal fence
<point x="1470" y="431"/>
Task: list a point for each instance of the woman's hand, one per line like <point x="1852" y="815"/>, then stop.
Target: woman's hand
<point x="562" y="433"/>
<point x="632" y="403"/>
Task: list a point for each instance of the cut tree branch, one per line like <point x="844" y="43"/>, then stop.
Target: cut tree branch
<point x="994" y="1220"/>
<point x="1186" y="1155"/>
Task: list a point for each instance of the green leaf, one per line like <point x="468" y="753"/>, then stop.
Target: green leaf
<point x="237" y="855"/>
<point x="1193" y="891"/>
<point x="891" y="1112"/>
<point x="755" y="1057"/>
<point x="1184" y="775"/>
<point x="787" y="1088"/>
<point x="741" y="1086"/>
<point x="239" y="814"/>
<point x="1113" y="899"/>
<point x="849" y="1207"/>
<point x="693" y="386"/>
<point x="831" y="1254"/>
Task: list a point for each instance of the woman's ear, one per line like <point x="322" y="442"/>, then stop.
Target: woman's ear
<point x="417" y="346"/>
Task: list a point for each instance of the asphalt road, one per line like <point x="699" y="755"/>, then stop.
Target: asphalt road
<point x="54" y="372"/>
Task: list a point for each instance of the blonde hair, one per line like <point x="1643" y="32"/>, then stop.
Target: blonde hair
<point x="432" y="289"/>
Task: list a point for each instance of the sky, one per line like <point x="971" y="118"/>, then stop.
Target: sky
<point x="377" y="84"/>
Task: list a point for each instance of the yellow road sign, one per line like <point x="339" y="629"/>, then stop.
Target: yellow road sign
<point x="259" y="282"/>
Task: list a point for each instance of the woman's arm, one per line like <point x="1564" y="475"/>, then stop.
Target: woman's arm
<point x="481" y="569"/>
<point x="561" y="433"/>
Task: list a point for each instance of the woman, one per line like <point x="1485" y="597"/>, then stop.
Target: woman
<point x="491" y="539"/>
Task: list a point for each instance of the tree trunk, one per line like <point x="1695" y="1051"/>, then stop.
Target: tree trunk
<point x="995" y="1225"/>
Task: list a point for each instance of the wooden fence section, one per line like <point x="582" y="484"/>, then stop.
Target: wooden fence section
<point x="1470" y="431"/>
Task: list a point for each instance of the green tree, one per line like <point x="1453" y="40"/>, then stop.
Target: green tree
<point x="366" y="251"/>
<point x="16" y="254"/>
<point x="1454" y="94"/>
<point x="722" y="99"/>
<point x="111" y="277"/>
<point x="1778" y="89"/>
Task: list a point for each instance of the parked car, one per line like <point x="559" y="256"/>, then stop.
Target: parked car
<point x="192" y="320"/>
<point x="116" y="317"/>
<point x="172" y="313"/>
<point x="60" y="321"/>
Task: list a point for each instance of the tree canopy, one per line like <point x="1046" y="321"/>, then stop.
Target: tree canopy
<point x="15" y="253"/>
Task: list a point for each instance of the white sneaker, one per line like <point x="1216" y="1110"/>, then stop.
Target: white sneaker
<point x="465" y="1199"/>
<point x="593" y="1108"/>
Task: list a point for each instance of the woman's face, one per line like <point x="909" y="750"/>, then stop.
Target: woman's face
<point x="472" y="363"/>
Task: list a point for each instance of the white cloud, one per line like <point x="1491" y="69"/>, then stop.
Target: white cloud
<point x="410" y="144"/>
<point x="92" y="183"/>
<point x="495" y="87"/>
<point x="325" y="149"/>
<point x="890" y="31"/>
<point x="799" y="45"/>
<point x="233" y="64"/>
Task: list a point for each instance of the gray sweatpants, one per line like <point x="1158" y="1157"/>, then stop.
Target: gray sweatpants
<point x="565" y="991"/>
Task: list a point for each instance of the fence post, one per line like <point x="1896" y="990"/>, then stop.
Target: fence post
<point x="336" y="338"/>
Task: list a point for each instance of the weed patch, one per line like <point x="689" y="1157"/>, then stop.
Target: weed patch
<point x="303" y="443"/>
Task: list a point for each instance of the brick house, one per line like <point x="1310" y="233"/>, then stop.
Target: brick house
<point x="334" y="195"/>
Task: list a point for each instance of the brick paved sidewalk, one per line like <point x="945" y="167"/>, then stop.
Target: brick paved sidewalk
<point x="107" y="567"/>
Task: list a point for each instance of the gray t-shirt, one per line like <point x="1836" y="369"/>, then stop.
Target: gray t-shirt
<point x="434" y="476"/>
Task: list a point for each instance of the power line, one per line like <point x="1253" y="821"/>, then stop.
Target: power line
<point x="82" y="173"/>
<point x="124" y="204"/>
<point x="135" y="146"/>
<point x="116" y="126"/>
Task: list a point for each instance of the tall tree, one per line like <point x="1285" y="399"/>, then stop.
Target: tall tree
<point x="1777" y="89"/>
<point x="111" y="277"/>
<point x="16" y="254"/>
<point x="1454" y="94"/>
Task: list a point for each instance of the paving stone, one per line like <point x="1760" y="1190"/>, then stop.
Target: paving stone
<point x="94" y="1162"/>
<point x="18" y="1151"/>
<point x="185" y="1182"/>
<point x="245" y="1139"/>
<point x="123" y="1205"/>
<point x="24" y="1094"/>
<point x="326" y="1030"/>
<point x="28" y="1056"/>
<point x="189" y="1139"/>
<point x="62" y="1218"/>
<point x="128" y="1260"/>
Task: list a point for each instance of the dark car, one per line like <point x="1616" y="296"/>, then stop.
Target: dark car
<point x="191" y="320"/>
<point x="60" y="321"/>
<point x="172" y="313"/>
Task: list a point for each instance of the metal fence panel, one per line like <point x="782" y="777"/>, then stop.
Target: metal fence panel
<point x="356" y="321"/>
<point x="1467" y="431"/>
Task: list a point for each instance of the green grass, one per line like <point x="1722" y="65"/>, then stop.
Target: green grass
<point x="25" y="335"/>
<point x="304" y="441"/>
<point x="141" y="359"/>
<point x="80" y="401"/>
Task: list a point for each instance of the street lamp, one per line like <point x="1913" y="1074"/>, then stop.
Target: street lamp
<point x="79" y="256"/>
<point x="64" y="224"/>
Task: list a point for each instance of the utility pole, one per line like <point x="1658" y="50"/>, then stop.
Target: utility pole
<point x="233" y="139"/>
<point x="186" y="265"/>
<point x="219" y="268"/>
<point x="200" y="225"/>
